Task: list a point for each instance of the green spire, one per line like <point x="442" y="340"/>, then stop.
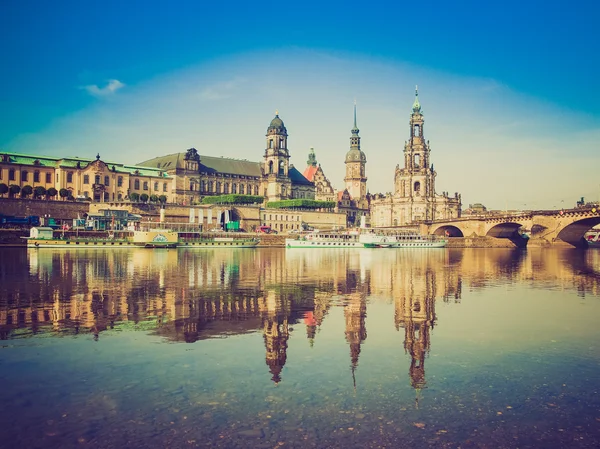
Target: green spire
<point x="312" y="157"/>
<point x="416" y="104"/>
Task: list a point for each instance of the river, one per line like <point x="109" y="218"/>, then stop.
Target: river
<point x="295" y="348"/>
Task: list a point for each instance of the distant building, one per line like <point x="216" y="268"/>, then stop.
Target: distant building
<point x="80" y="178"/>
<point x="414" y="198"/>
<point x="324" y="191"/>
<point x="196" y="176"/>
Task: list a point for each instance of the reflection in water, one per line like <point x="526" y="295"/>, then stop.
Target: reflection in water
<point x="192" y="296"/>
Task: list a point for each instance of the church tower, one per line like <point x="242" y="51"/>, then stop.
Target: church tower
<point x="277" y="184"/>
<point x="355" y="179"/>
<point x="415" y="182"/>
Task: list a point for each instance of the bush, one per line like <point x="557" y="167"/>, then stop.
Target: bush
<point x="52" y="192"/>
<point x="134" y="197"/>
<point x="162" y="199"/>
<point x="144" y="197"/>
<point x="301" y="204"/>
<point x="63" y="193"/>
<point x="154" y="198"/>
<point x="3" y="189"/>
<point x="26" y="191"/>
<point x="233" y="199"/>
<point x="39" y="191"/>
<point x="14" y="189"/>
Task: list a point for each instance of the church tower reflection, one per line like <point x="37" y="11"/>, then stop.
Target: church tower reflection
<point x="276" y="332"/>
<point x="415" y="312"/>
<point x="355" y="312"/>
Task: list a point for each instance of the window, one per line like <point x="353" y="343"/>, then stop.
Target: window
<point x="203" y="186"/>
<point x="234" y="188"/>
<point x="417" y="160"/>
<point x="120" y="181"/>
<point x="48" y="178"/>
<point x="417" y="131"/>
<point x="155" y="186"/>
<point x="218" y="187"/>
<point x="211" y="186"/>
<point x="281" y="144"/>
<point x="256" y="190"/>
<point x="164" y="187"/>
<point x="226" y="188"/>
<point x="70" y="176"/>
<point x="24" y="176"/>
<point x="97" y="179"/>
<point x="270" y="166"/>
<point x="281" y="168"/>
<point x="136" y="184"/>
<point x="86" y="179"/>
<point x="145" y="185"/>
<point x="249" y="189"/>
<point x="241" y="189"/>
<point x="106" y="180"/>
<point x="36" y="176"/>
<point x="270" y="144"/>
<point x="417" y="188"/>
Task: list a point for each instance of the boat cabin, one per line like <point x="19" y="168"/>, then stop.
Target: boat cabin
<point x="45" y="233"/>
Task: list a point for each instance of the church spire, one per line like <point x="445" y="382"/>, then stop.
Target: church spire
<point x="355" y="129"/>
<point x="416" y="104"/>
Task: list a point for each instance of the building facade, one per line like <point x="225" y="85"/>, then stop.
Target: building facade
<point x="92" y="180"/>
<point x="324" y="191"/>
<point x="414" y="198"/>
<point x="196" y="176"/>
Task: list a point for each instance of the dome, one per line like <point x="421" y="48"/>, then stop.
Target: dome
<point x="277" y="125"/>
<point x="355" y="155"/>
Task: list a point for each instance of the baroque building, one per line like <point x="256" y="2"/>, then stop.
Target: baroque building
<point x="324" y="191"/>
<point x="89" y="179"/>
<point x="353" y="200"/>
<point x="274" y="178"/>
<point x="414" y="198"/>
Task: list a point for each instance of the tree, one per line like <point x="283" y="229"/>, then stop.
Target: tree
<point x="144" y="197"/>
<point x="14" y="189"/>
<point x="63" y="193"/>
<point x="3" y="189"/>
<point x="162" y="199"/>
<point x="51" y="192"/>
<point x="26" y="191"/>
<point x="39" y="191"/>
<point x="154" y="198"/>
<point x="134" y="197"/>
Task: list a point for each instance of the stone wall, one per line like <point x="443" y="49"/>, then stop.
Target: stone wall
<point x="59" y="210"/>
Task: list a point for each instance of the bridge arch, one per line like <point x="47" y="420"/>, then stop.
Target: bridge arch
<point x="504" y="230"/>
<point x="448" y="231"/>
<point x="573" y="232"/>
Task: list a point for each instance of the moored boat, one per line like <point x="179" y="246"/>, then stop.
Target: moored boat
<point x="403" y="240"/>
<point x="325" y="240"/>
<point x="198" y="240"/>
<point x="45" y="237"/>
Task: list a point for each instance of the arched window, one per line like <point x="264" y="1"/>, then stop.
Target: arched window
<point x="218" y="187"/>
<point x="417" y="160"/>
<point x="226" y="187"/>
<point x="281" y="168"/>
<point x="234" y="188"/>
<point x="270" y="166"/>
<point x="241" y="189"/>
<point x="211" y="186"/>
<point x="145" y="185"/>
<point x="417" y="131"/>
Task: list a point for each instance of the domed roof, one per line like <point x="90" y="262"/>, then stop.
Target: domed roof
<point x="355" y="155"/>
<point x="277" y="125"/>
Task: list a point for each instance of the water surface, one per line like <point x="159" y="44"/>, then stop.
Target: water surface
<point x="481" y="348"/>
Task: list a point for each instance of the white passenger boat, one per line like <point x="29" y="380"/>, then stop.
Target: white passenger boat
<point x="325" y="240"/>
<point x="403" y="240"/>
<point x="45" y="237"/>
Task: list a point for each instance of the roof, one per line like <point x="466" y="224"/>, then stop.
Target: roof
<point x="208" y="164"/>
<point x="309" y="172"/>
<point x="298" y="178"/>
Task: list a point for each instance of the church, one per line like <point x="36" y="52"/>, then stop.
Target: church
<point x="414" y="198"/>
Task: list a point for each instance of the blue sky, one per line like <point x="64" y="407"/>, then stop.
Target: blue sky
<point x="509" y="89"/>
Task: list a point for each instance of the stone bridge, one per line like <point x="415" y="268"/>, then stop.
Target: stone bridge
<point x="552" y="226"/>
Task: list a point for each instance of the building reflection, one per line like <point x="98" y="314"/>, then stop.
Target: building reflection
<point x="188" y="296"/>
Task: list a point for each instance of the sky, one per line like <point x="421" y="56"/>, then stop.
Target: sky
<point x="508" y="89"/>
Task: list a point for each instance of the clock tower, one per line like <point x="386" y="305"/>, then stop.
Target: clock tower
<point x="355" y="179"/>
